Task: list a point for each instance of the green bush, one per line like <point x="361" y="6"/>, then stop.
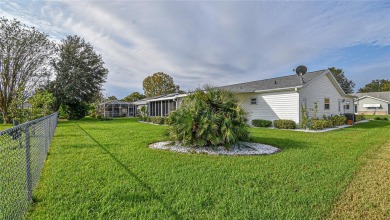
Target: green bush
<point x="157" y="120"/>
<point x="74" y="111"/>
<point x="381" y="118"/>
<point x="284" y="124"/>
<point x="319" y="124"/>
<point x="168" y="121"/>
<point x="106" y="119"/>
<point x="359" y="117"/>
<point x="209" y="117"/>
<point x="261" y="123"/>
<point x="338" y="120"/>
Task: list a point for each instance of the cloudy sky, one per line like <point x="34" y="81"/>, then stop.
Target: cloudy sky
<point x="219" y="43"/>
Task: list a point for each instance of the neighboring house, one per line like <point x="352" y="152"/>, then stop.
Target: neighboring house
<point x="372" y="103"/>
<point x="283" y="97"/>
<point x="115" y="108"/>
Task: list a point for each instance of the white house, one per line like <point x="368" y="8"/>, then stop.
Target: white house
<point x="373" y="103"/>
<point x="282" y="97"/>
<point x="276" y="98"/>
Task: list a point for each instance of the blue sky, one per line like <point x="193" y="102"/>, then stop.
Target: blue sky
<point x="219" y="43"/>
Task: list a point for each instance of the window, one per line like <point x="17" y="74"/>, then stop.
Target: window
<point x="327" y="103"/>
<point x="346" y="107"/>
<point x="253" y="101"/>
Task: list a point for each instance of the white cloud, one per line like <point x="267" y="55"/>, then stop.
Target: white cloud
<point x="210" y="42"/>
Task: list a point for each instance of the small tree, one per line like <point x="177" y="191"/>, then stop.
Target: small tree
<point x="134" y="97"/>
<point x="303" y="124"/>
<point x="159" y="84"/>
<point x="209" y="118"/>
<point x="24" y="57"/>
<point x="42" y="103"/>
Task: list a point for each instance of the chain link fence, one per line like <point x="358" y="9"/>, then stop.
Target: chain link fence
<point x="23" y="150"/>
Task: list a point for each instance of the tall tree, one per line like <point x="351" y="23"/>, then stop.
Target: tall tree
<point x="80" y="74"/>
<point x="378" y="85"/>
<point x="110" y="98"/>
<point x="24" y="59"/>
<point x="345" y="84"/>
<point x="159" y="84"/>
<point x="134" y="97"/>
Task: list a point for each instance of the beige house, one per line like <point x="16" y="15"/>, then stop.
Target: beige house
<point x="373" y="103"/>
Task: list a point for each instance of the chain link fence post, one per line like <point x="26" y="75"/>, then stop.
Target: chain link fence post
<point x="28" y="163"/>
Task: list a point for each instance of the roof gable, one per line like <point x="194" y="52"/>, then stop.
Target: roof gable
<point x="283" y="82"/>
<point x="379" y="95"/>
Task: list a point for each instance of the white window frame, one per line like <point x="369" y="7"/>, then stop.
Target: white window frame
<point x="327" y="103"/>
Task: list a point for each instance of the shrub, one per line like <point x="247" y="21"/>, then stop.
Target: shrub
<point x="105" y="119"/>
<point x="359" y="117"/>
<point x="285" y="124"/>
<point x="74" y="111"/>
<point x="338" y="120"/>
<point x="157" y="120"/>
<point x="261" y="123"/>
<point x="209" y="118"/>
<point x="319" y="124"/>
<point x="168" y="121"/>
<point x="381" y="118"/>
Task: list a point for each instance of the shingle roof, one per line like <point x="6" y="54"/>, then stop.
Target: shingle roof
<point x="380" y="95"/>
<point x="273" y="83"/>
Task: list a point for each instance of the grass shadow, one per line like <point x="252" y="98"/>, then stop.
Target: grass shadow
<point x="132" y="174"/>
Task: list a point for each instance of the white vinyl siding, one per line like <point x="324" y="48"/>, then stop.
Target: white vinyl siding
<point x="320" y="89"/>
<point x="271" y="106"/>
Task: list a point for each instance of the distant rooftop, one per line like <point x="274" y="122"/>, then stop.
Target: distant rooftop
<point x="380" y="95"/>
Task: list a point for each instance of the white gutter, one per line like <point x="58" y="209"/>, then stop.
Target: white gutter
<point x="279" y="89"/>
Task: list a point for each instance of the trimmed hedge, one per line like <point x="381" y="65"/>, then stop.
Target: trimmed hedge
<point x="319" y="124"/>
<point x="157" y="120"/>
<point x="261" y="123"/>
<point x="285" y="124"/>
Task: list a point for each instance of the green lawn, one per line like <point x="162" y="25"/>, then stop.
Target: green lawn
<point x="5" y="126"/>
<point x="374" y="116"/>
<point x="104" y="170"/>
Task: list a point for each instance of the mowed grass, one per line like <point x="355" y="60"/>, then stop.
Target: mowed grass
<point x="368" y="195"/>
<point x="106" y="170"/>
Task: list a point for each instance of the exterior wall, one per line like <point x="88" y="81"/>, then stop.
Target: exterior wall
<point x="383" y="110"/>
<point x="322" y="88"/>
<point x="271" y="106"/>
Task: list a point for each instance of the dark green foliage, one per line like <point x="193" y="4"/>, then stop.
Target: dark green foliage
<point x="345" y="84"/>
<point x="106" y="119"/>
<point x="261" y="123"/>
<point x="359" y="117"/>
<point x="80" y="74"/>
<point x="134" y="97"/>
<point x="378" y="85"/>
<point x="381" y="118"/>
<point x="284" y="124"/>
<point x="74" y="111"/>
<point x="319" y="124"/>
<point x="209" y="118"/>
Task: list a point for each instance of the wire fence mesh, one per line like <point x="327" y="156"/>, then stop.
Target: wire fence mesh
<point x="23" y="150"/>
